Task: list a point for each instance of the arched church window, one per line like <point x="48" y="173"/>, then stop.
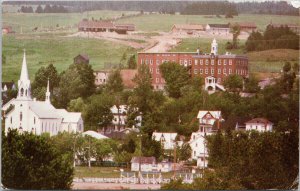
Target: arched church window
<point x="21" y="116"/>
<point x="25" y="92"/>
<point x="33" y="120"/>
<point x="21" y="105"/>
<point x="10" y="120"/>
<point x="22" y="91"/>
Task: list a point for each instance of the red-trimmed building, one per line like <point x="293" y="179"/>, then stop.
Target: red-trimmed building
<point x="206" y="65"/>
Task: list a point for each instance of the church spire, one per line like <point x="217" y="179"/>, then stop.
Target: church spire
<point x="48" y="93"/>
<point x="214" y="47"/>
<point x="24" y="82"/>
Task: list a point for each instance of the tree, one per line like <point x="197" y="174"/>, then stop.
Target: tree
<point x="103" y="148"/>
<point x="32" y="162"/>
<point x="288" y="78"/>
<point x="76" y="105"/>
<point x="131" y="63"/>
<point x="39" y="9"/>
<point x="235" y="30"/>
<point x="77" y="81"/>
<point x="97" y="111"/>
<point x="184" y="152"/>
<point x="123" y="60"/>
<point x="176" y="77"/>
<point x="233" y="83"/>
<point x="251" y="85"/>
<point x="115" y="82"/>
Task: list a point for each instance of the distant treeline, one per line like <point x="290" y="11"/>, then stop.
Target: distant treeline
<point x="273" y="38"/>
<point x="183" y="7"/>
<point x="47" y="9"/>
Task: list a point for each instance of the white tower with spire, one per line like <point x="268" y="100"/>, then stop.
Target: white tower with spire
<point x="47" y="100"/>
<point x="24" y="82"/>
<point x="214" y="47"/>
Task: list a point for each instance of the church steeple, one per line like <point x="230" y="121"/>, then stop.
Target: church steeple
<point x="48" y="93"/>
<point x="214" y="47"/>
<point x="24" y="82"/>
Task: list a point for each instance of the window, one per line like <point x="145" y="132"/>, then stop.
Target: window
<point x="201" y="71"/>
<point x="219" y="71"/>
<point x="33" y="120"/>
<point x="146" y="62"/>
<point x="230" y="62"/>
<point x="22" y="91"/>
<point x="225" y="62"/>
<point x="196" y="62"/>
<point x="181" y="62"/>
<point x="142" y="62"/>
<point x="230" y="71"/>
<point x="151" y="62"/>
<point x="206" y="62"/>
<point x="157" y="70"/>
<point x="151" y="70"/>
<point x="195" y="71"/>
<point x="201" y="62"/>
<point x="157" y="80"/>
<point x="21" y="116"/>
<point x="224" y="71"/>
<point x="206" y="71"/>
<point x="157" y="62"/>
<point x="10" y="120"/>
<point x="212" y="71"/>
<point x="190" y="62"/>
<point x="212" y="62"/>
<point x="219" y="62"/>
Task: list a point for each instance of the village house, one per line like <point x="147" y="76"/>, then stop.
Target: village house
<point x="81" y="58"/>
<point x="293" y="27"/>
<point x="119" y="126"/>
<point x="259" y="124"/>
<point x="213" y="66"/>
<point x="218" y="29"/>
<point x="167" y="140"/>
<point x="104" y="26"/>
<point x="207" y="119"/>
<point x="101" y="77"/>
<point x="187" y="28"/>
<point x="247" y="26"/>
<point x="26" y="114"/>
<point x="199" y="149"/>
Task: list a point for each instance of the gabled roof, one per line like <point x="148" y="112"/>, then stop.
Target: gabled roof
<point x="188" y="26"/>
<point x="95" y="135"/>
<point x="122" y="109"/>
<point x="9" y="85"/>
<point x="69" y="117"/>
<point x="143" y="160"/>
<point x="84" y="56"/>
<point x="169" y="137"/>
<point x="259" y="120"/>
<point x="219" y="25"/>
<point x="44" y="110"/>
<point x="214" y="114"/>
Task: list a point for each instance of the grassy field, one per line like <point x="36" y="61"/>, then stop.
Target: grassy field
<point x="57" y="50"/>
<point x="156" y="22"/>
<point x="106" y="172"/>
<point x="28" y="21"/>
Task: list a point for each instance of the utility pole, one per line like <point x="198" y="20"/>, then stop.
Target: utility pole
<point x="89" y="152"/>
<point x="174" y="160"/>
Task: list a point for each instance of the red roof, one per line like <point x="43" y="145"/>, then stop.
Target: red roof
<point x="129" y="27"/>
<point x="259" y="120"/>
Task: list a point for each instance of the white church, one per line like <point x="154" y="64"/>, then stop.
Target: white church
<point x="27" y="114"/>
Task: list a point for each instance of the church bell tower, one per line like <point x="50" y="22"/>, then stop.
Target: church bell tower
<point x="24" y="82"/>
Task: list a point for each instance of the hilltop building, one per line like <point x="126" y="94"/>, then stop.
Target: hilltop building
<point x="81" y="58"/>
<point x="29" y="115"/>
<point x="213" y="67"/>
<point x="187" y="28"/>
<point x="259" y="124"/>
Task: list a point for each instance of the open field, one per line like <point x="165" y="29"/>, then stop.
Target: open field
<point x="57" y="50"/>
<point x="28" y="21"/>
<point x="157" y="22"/>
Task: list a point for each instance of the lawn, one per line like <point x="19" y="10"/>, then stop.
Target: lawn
<point x="157" y="22"/>
<point x="41" y="51"/>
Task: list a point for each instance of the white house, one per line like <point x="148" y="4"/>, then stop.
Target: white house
<point x="101" y="77"/>
<point x="259" y="124"/>
<point x="120" y="117"/>
<point x="199" y="149"/>
<point x="207" y="119"/>
<point x="167" y="140"/>
<point x="144" y="164"/>
<point x="26" y="114"/>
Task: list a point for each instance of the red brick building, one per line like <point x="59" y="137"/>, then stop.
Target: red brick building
<point x="204" y="65"/>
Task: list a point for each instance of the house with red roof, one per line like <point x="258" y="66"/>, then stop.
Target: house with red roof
<point x="259" y="124"/>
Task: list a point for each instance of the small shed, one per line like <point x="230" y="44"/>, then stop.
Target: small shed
<point x="144" y="164"/>
<point x="81" y="58"/>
